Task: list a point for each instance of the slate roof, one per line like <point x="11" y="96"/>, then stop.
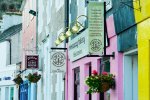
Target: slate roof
<point x="10" y="32"/>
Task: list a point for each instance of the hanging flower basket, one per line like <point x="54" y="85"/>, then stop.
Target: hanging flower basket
<point x="18" y="80"/>
<point x="100" y="83"/>
<point x="33" y="78"/>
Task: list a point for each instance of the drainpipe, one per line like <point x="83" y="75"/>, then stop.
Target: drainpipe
<point x="66" y="74"/>
<point x="9" y="40"/>
<point x="34" y="85"/>
<point x="37" y="26"/>
<point x="66" y="16"/>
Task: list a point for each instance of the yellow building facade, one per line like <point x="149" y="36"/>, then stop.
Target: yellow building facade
<point x="142" y="17"/>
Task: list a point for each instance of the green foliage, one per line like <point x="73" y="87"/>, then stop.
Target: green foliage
<point x="11" y="6"/>
<point x="3" y="6"/>
<point x="18" y="80"/>
<point x="33" y="78"/>
<point x="100" y="83"/>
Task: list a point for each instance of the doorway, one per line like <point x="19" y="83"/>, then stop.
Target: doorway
<point x="77" y="83"/>
<point x="131" y="76"/>
<point x="23" y="91"/>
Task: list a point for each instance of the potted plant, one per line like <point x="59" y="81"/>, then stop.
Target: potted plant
<point x="100" y="82"/>
<point x="33" y="78"/>
<point x="18" y="80"/>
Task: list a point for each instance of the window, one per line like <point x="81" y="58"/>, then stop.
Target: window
<point x="105" y="67"/>
<point x="77" y="84"/>
<point x="12" y="93"/>
<point x="6" y="93"/>
<point x="0" y="94"/>
<point x="90" y="73"/>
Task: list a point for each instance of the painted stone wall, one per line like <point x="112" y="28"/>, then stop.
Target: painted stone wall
<point x="115" y="65"/>
<point x="28" y="29"/>
<point x="143" y="23"/>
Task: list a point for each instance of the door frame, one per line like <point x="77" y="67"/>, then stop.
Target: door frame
<point x="127" y="67"/>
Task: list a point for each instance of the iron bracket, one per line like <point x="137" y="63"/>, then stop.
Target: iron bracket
<point x="126" y="3"/>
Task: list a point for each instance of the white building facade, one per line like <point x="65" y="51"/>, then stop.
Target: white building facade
<point x="51" y="22"/>
<point x="10" y="57"/>
<point x="8" y="89"/>
<point x="10" y="20"/>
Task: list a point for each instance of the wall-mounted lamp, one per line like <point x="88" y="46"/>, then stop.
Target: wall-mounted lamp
<point x="77" y="25"/>
<point x="62" y="36"/>
<point x="32" y="12"/>
<point x="57" y="42"/>
<point x="71" y="30"/>
<point x="68" y="33"/>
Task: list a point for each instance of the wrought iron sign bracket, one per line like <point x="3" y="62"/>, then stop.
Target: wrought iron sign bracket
<point x="113" y="55"/>
<point x="126" y="3"/>
<point x="59" y="48"/>
<point x="20" y="72"/>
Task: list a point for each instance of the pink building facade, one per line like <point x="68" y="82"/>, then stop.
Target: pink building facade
<point x="28" y="29"/>
<point x="77" y="71"/>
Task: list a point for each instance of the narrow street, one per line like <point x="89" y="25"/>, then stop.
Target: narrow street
<point x="74" y="50"/>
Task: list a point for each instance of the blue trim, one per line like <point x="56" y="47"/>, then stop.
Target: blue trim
<point x="25" y="90"/>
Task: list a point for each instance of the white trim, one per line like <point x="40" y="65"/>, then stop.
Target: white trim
<point x="130" y="52"/>
<point x="127" y="54"/>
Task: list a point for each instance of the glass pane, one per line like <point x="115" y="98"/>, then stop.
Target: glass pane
<point x="12" y="93"/>
<point x="107" y="66"/>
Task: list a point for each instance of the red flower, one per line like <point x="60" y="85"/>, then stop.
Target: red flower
<point x="104" y="73"/>
<point x="94" y="72"/>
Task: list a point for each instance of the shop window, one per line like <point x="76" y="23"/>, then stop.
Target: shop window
<point x="90" y="73"/>
<point x="77" y="84"/>
<point x="6" y="93"/>
<point x="0" y="93"/>
<point x="12" y="93"/>
<point x="105" y="67"/>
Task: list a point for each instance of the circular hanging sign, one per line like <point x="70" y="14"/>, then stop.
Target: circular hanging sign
<point x="58" y="59"/>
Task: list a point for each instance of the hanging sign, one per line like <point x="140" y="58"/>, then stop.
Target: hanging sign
<point x="96" y="27"/>
<point x="58" y="61"/>
<point x="78" y="47"/>
<point x="31" y="61"/>
<point x="91" y="40"/>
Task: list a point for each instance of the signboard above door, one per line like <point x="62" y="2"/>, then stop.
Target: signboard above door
<point x="91" y="40"/>
<point x="31" y="61"/>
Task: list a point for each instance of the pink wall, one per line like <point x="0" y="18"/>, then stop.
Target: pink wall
<point x="116" y="68"/>
<point x="117" y="63"/>
<point x="83" y="63"/>
<point x="28" y="29"/>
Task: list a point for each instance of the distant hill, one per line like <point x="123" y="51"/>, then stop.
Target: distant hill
<point x="9" y="6"/>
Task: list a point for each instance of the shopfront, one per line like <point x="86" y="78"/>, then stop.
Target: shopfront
<point x="80" y="66"/>
<point x="24" y="91"/>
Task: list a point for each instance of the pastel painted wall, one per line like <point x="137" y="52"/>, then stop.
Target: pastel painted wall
<point x="116" y="64"/>
<point x="116" y="68"/>
<point x="83" y="64"/>
<point x="28" y="29"/>
<point x="9" y="71"/>
<point x="4" y="54"/>
<point x="143" y="19"/>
